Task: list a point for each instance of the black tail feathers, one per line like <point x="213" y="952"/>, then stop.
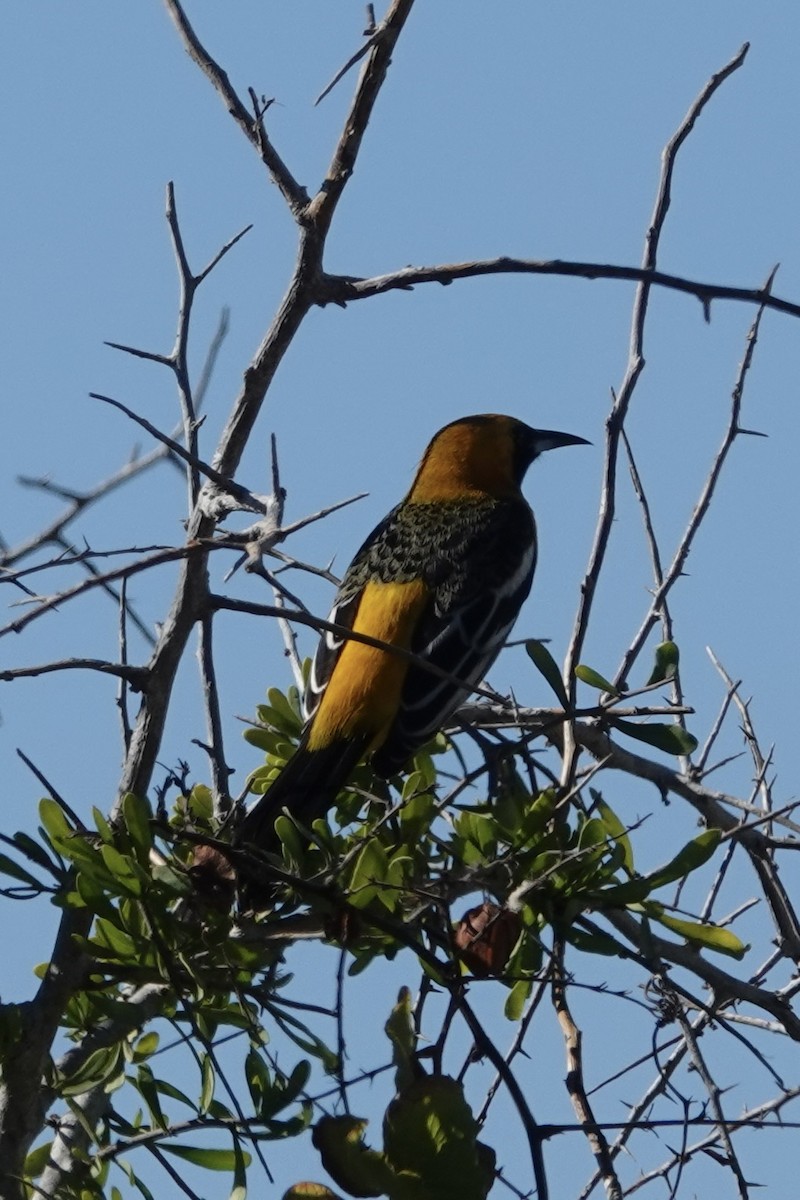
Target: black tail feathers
<point x="307" y="788"/>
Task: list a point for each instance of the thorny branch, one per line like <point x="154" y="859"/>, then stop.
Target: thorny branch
<point x="623" y="399"/>
<point x="576" y="1086"/>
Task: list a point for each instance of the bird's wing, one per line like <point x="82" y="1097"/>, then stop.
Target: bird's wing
<point x="463" y="638"/>
<point x="328" y="650"/>
<point x="343" y="612"/>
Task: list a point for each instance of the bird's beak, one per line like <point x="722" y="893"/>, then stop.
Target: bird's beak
<point x="550" y="439"/>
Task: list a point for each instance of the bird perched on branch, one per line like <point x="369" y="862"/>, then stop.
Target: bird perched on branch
<point x="443" y="577"/>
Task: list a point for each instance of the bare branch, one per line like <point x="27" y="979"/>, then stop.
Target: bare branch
<point x="342" y="289"/>
<point x="241" y="494"/>
<point x="370" y="82"/>
<point x="575" y="1083"/>
<point x="135" y="677"/>
<point x="220" y="770"/>
<point x="122" y="690"/>
<point x="48" y="603"/>
<point x="622" y="401"/>
<point x="351" y="62"/>
<point x="252" y="127"/>
<point x="701" y="508"/>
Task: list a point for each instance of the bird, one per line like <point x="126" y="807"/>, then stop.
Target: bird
<point x="443" y="576"/>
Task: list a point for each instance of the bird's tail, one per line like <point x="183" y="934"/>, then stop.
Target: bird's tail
<point x="307" y="788"/>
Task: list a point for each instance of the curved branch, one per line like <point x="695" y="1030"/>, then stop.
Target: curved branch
<point x="340" y="289"/>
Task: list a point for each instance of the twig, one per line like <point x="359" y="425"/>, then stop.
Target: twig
<point x="622" y="401"/>
<point x="760" y="762"/>
<point x="487" y="1047"/>
<point x="220" y="771"/>
<point x="136" y="677"/>
<point x="715" y="1099"/>
<point x="122" y="690"/>
<point x="45" y="782"/>
<point x="48" y="603"/>
<point x="702" y="758"/>
<point x="574" y="1081"/>
<point x="516" y="1046"/>
<point x="252" y="127"/>
<point x="323" y="206"/>
<point x="351" y="62"/>
<point x="241" y="494"/>
<point x="752" y="1118"/>
<point x="701" y="508"/>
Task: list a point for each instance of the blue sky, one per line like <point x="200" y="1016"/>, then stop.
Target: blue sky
<point x="525" y="129"/>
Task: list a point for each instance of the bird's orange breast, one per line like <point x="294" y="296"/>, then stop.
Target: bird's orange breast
<point x="363" y="693"/>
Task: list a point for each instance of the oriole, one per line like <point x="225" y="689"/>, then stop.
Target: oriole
<point x="443" y="575"/>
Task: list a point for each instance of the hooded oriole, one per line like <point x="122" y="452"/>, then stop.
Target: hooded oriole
<point x="444" y="576"/>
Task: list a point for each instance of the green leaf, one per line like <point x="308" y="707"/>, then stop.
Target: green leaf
<point x="593" y="943"/>
<point x="265" y="739"/>
<point x="430" y="1133"/>
<point x="633" y="891"/>
<point x="168" y="1089"/>
<point x="666" y="664"/>
<point x="308" y="1041"/>
<point x="594" y="679"/>
<point x="540" y="812"/>
<point x="38" y="1159"/>
<point x="123" y="869"/>
<point x="137" y="815"/>
<point x="95" y="1070"/>
<point x="284" y="1091"/>
<point x="709" y="937"/>
<point x="479" y="831"/>
<point x="615" y="829"/>
<point x="108" y="936"/>
<point x="546" y="665"/>
<point x="201" y="802"/>
<point x="259" y="1080"/>
<point x="36" y="853"/>
<point x="170" y="880"/>
<point x="517" y="999"/>
<point x="289" y="836"/>
<point x="369" y="872"/>
<point x="347" y="1158"/>
<point x="693" y="855"/>
<point x="672" y="739"/>
<point x="270" y="1096"/>
<point x="211" y="1160"/>
<point x="416" y="815"/>
<point x="592" y="832"/>
<point x="282" y="715"/>
<point x="54" y="821"/>
<point x="208" y="1080"/>
<point x="9" y="867"/>
<point x="102" y="825"/>
<point x="146" y="1045"/>
<point x="148" y="1088"/>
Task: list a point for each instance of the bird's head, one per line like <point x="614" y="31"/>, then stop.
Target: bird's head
<point x="482" y="455"/>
